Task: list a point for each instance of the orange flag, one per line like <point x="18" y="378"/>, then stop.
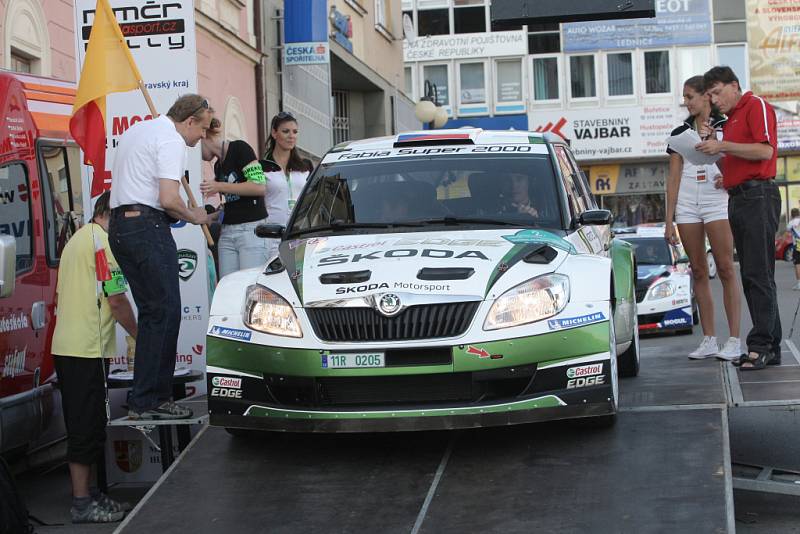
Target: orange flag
<point x="108" y="68"/>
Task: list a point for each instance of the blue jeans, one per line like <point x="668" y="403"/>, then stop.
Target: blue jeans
<point x="239" y="247"/>
<point x="753" y="215"/>
<point x="145" y="251"/>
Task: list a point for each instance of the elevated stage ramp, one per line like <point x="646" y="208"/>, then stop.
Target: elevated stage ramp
<point x="664" y="467"/>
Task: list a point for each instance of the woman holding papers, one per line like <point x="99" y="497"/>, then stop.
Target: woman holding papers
<point x="699" y="206"/>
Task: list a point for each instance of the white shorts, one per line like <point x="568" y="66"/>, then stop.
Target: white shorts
<point x="703" y="212"/>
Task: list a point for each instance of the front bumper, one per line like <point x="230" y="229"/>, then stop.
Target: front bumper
<point x="558" y="375"/>
<point x="663" y="321"/>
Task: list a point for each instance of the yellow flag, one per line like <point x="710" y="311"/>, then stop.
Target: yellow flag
<point x="108" y="68"/>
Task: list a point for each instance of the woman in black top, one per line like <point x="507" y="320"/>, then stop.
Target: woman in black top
<point x="239" y="178"/>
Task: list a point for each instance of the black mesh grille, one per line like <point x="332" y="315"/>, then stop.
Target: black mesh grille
<point x="416" y="322"/>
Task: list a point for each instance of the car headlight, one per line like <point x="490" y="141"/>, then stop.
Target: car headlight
<point x="662" y="290"/>
<point x="268" y="312"/>
<point x="531" y="301"/>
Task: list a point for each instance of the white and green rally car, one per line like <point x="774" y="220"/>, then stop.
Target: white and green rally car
<point x="432" y="280"/>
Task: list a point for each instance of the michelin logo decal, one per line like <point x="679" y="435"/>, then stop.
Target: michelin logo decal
<point x="571" y="322"/>
<point x="233" y="333"/>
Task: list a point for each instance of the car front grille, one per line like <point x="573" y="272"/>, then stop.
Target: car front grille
<point x="415" y="322"/>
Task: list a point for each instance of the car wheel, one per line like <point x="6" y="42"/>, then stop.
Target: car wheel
<point x="712" y="265"/>
<point x="628" y="361"/>
<point x="788" y="252"/>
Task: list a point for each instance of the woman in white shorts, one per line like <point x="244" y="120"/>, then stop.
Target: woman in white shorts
<point x="699" y="205"/>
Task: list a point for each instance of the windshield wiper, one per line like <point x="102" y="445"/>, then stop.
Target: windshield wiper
<point x="474" y="220"/>
<point x="341" y="225"/>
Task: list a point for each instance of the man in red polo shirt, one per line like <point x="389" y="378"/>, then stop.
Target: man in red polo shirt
<point x="750" y="150"/>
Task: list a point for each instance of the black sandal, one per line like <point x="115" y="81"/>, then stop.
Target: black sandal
<point x="760" y="362"/>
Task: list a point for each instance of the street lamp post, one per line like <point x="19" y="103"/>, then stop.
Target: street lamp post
<point x="428" y="109"/>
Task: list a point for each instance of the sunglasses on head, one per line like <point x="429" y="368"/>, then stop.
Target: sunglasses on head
<point x="203" y="105"/>
<point x="283" y="115"/>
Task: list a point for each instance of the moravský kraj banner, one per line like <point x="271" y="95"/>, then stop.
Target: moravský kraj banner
<point x="161" y="37"/>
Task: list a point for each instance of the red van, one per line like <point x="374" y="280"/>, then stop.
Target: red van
<point x="41" y="205"/>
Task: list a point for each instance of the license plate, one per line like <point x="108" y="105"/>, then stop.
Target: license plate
<point x="353" y="360"/>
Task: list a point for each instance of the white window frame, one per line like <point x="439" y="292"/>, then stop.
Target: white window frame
<point x="420" y="85"/>
<point x="597" y="79"/>
<point x="643" y="70"/>
<point x="465" y="110"/>
<point x="496" y="104"/>
<point x="559" y="66"/>
<point x="745" y="86"/>
<point x="681" y="76"/>
<point x="607" y="80"/>
<point x="413" y="68"/>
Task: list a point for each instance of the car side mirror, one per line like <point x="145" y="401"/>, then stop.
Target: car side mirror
<point x="274" y="231"/>
<point x="8" y="265"/>
<point x="595" y="217"/>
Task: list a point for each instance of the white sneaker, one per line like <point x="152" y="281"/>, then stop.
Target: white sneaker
<point x="731" y="350"/>
<point x="708" y="347"/>
<point x="796" y="287"/>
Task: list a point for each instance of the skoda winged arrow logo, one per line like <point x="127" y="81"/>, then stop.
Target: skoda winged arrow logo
<point x="187" y="263"/>
<point x="389" y="304"/>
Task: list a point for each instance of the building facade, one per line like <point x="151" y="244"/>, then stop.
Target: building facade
<point x="356" y="93"/>
<point x="613" y="88"/>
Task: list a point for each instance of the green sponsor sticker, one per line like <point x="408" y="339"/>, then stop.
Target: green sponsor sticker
<point x="254" y="173"/>
<point x="117" y="285"/>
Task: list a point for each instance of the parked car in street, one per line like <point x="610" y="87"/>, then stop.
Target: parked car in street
<point x="430" y="280"/>
<point x="784" y="247"/>
<point x="664" y="296"/>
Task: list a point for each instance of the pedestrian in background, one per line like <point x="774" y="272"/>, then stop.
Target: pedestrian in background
<point x="284" y="186"/>
<point x="794" y="230"/>
<point x="238" y="176"/>
<point x="699" y="205"/>
<point x="750" y="150"/>
<point x="145" y="197"/>
<point x="91" y="300"/>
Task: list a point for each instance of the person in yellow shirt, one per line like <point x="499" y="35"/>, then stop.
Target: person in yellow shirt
<point x="91" y="300"/>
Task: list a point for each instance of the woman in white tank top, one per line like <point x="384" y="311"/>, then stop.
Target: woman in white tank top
<point x="699" y="206"/>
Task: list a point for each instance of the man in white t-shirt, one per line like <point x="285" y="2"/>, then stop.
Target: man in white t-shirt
<point x="145" y="198"/>
<point x="794" y="229"/>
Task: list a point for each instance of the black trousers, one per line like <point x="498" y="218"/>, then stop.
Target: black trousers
<point x="83" y="400"/>
<point x="753" y="214"/>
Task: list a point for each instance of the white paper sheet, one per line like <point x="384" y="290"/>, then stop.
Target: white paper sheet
<point x="684" y="144"/>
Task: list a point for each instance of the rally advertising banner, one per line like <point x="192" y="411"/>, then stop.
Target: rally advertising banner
<point x="773" y="37"/>
<point x="466" y="46"/>
<point x="610" y="133"/>
<point x="677" y="22"/>
<point x="161" y="37"/>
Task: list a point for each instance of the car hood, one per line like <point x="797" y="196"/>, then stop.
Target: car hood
<point x="647" y="274"/>
<point x="454" y="262"/>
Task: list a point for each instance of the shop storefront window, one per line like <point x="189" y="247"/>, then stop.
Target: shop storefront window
<point x="438" y="76"/>
<point x="692" y="62"/>
<point x="509" y="81"/>
<point x="473" y="83"/>
<point x="630" y="210"/>
<point x="734" y="57"/>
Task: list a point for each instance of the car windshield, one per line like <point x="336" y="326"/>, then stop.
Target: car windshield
<point x="650" y="250"/>
<point x="422" y="191"/>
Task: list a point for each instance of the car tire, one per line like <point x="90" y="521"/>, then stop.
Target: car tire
<point x="788" y="254"/>
<point x="628" y="361"/>
<point x="712" y="265"/>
